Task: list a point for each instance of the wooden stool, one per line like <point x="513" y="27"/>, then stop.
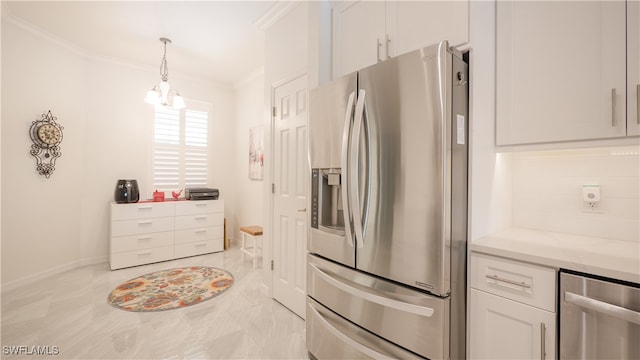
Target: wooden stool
<point x="253" y="233"/>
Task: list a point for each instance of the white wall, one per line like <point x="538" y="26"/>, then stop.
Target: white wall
<point x="54" y="224"/>
<point x="249" y="194"/>
<point x="547" y="191"/>
<point x="490" y="172"/>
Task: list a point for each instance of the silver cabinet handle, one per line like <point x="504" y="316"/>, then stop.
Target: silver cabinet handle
<point x="378" y="45"/>
<point x="543" y="351"/>
<point x="619" y="312"/>
<point x="345" y="167"/>
<point x="374" y="298"/>
<point x="638" y="104"/>
<point x="302" y="210"/>
<point x="346" y="339"/>
<point x="387" y="46"/>
<point x="512" y="282"/>
<point x="613" y="107"/>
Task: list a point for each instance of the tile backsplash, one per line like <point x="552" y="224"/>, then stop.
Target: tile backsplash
<point x="547" y="191"/>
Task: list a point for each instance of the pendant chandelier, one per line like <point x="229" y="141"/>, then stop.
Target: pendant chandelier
<point x="159" y="94"/>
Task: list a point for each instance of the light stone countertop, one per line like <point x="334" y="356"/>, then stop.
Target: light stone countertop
<point x="599" y="256"/>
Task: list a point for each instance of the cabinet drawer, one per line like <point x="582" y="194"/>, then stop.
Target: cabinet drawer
<point x="199" y="234"/>
<point x="199" y="221"/>
<point x="141" y="226"/>
<point x="198" y="248"/>
<point x="141" y="211"/>
<point x="139" y="257"/>
<point x="527" y="283"/>
<point x="141" y="241"/>
<point x="199" y="207"/>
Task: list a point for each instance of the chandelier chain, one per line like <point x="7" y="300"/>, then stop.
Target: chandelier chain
<point x="164" y="67"/>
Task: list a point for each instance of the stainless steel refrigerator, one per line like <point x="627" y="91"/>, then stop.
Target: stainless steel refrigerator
<point x="386" y="268"/>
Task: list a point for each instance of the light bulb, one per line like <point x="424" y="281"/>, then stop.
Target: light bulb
<point x="178" y="102"/>
<point x="152" y="97"/>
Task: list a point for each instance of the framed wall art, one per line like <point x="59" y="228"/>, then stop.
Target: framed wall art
<point x="256" y="153"/>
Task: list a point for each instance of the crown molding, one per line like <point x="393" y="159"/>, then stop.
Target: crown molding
<point x="274" y="14"/>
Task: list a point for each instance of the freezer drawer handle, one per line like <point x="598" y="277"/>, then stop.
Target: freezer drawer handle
<point x="380" y="300"/>
<point x="347" y="340"/>
<point x="603" y="307"/>
<point x="517" y="283"/>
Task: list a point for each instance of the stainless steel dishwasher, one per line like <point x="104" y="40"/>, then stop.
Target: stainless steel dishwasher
<point x="599" y="319"/>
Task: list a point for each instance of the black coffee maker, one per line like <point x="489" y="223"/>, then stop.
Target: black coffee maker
<point x="127" y="191"/>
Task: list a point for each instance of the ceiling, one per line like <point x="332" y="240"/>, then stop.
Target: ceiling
<point x="217" y="40"/>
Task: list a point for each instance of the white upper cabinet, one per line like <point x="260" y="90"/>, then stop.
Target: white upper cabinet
<point x="415" y="24"/>
<point x="633" y="67"/>
<point x="358" y="35"/>
<point x="366" y="32"/>
<point x="560" y="71"/>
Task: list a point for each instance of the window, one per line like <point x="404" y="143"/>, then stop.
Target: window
<point x="180" y="148"/>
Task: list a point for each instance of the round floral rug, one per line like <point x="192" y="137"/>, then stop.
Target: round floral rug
<point x="170" y="289"/>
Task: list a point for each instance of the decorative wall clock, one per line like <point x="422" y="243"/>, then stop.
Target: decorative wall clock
<point x="46" y="135"/>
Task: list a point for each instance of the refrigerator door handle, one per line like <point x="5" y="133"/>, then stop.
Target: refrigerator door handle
<point x="354" y="178"/>
<point x="345" y="163"/>
<point x="374" y="298"/>
<point x="347" y="340"/>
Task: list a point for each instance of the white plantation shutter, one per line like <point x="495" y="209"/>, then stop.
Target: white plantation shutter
<point x="180" y="154"/>
<point x="195" y="156"/>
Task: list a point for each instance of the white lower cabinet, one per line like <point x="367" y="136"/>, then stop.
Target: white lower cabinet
<point x="144" y="233"/>
<point x="512" y="310"/>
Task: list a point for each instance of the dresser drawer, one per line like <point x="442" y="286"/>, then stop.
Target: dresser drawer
<point x="199" y="207"/>
<point x="141" y="241"/>
<point x="139" y="257"/>
<point x="527" y="283"/>
<point x="141" y="226"/>
<point x="198" y="248"/>
<point x="141" y="210"/>
<point x="199" y="234"/>
<point x="199" y="221"/>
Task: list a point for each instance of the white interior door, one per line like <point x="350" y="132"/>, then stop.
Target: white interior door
<point x="291" y="178"/>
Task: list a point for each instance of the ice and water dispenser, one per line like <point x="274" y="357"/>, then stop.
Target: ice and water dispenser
<point x="326" y="201"/>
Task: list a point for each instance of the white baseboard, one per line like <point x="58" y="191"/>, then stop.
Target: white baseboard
<point x="30" y="279"/>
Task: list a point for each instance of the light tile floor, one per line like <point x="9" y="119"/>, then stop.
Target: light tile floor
<point x="69" y="311"/>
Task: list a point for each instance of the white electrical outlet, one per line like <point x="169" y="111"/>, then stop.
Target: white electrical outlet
<point x="591" y="198"/>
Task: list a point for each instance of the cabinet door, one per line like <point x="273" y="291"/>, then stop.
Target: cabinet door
<point x="633" y="67"/>
<point x="415" y="24"/>
<point x="505" y="329"/>
<point x="358" y="35"/>
<point x="560" y="71"/>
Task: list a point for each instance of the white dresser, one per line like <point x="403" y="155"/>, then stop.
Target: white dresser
<point x="144" y="233"/>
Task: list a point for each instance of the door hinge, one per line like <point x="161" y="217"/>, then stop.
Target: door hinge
<point x="271" y="265"/>
<point x="273" y="188"/>
<point x="274" y="111"/>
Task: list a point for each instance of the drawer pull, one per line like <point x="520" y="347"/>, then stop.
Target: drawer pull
<point x="201" y="204"/>
<point x="145" y="207"/>
<point x="147" y="222"/>
<point x="200" y="244"/>
<point x="145" y="238"/>
<point x="144" y="253"/>
<point x="517" y="283"/>
<point x="201" y="218"/>
<point x="200" y="231"/>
